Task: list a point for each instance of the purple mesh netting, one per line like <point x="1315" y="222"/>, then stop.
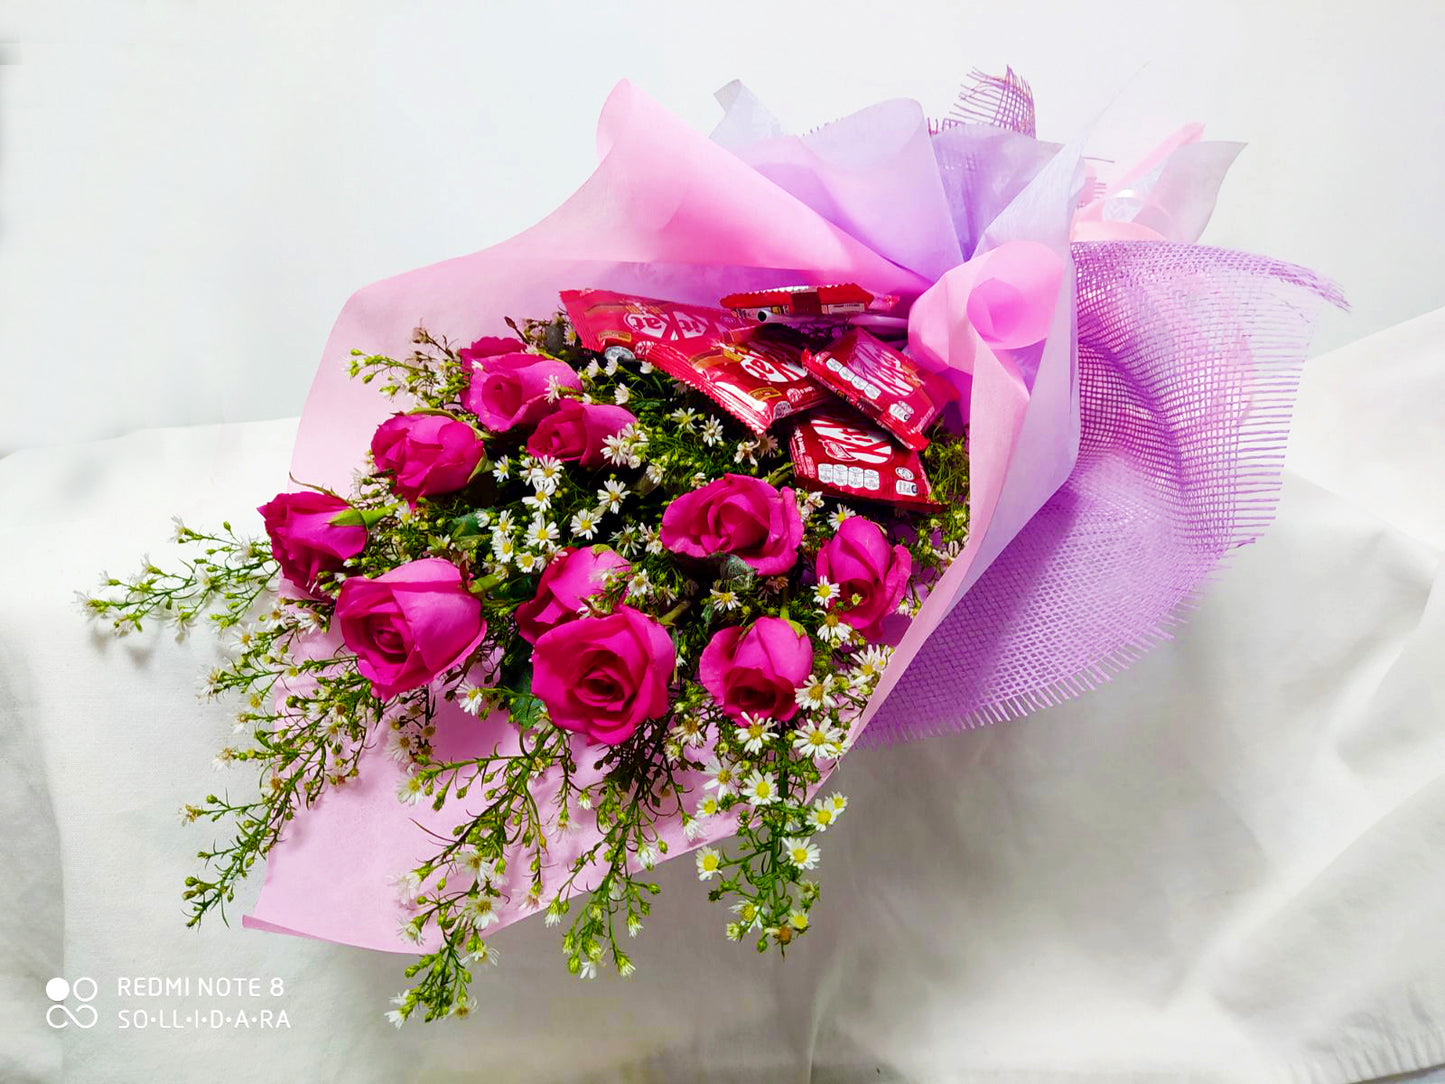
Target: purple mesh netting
<point x="1003" y="101"/>
<point x="1189" y="359"/>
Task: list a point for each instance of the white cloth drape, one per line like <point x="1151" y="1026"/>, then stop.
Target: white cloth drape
<point x="1229" y="865"/>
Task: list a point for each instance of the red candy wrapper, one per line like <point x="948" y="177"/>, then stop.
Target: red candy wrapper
<point x="882" y="383"/>
<point x="603" y="319"/>
<point x="843" y="454"/>
<point x="757" y="382"/>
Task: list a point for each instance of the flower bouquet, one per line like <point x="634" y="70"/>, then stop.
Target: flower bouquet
<point x="607" y="543"/>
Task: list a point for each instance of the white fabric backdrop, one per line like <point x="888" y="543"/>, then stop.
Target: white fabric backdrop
<point x="1226" y="866"/>
<point x="189" y="191"/>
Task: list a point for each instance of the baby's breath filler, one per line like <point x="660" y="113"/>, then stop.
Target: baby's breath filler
<point x="527" y="535"/>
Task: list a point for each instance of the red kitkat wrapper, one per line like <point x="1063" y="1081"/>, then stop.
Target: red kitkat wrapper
<point x="603" y="319"/>
<point x="888" y="386"/>
<point x="757" y="382"/>
<point x="843" y="453"/>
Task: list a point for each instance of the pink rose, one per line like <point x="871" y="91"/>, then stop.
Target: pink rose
<point x="304" y="541"/>
<point x="740" y="515"/>
<point x="859" y="560"/>
<point x="426" y="454"/>
<point x="511" y="389"/>
<point x="757" y="670"/>
<point x="408" y="625"/>
<point x="488" y="346"/>
<point x="574" y="431"/>
<point x="572" y="578"/>
<point x="602" y="676"/>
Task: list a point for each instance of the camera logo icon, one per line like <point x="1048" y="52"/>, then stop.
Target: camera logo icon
<point x="60" y="1014"/>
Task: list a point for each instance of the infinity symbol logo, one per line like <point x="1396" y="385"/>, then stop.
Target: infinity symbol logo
<point x="57" y="990"/>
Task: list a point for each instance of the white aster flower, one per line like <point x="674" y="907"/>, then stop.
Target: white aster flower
<point x="471" y="862"/>
<point x="471" y="698"/>
<point x="819" y="740"/>
<point x="767" y="444"/>
<point x="588" y="968"/>
<point x="709" y="863"/>
<point x="826" y="591"/>
<point x="542" y="534"/>
<point x="756" y="731"/>
<point x="637" y="585"/>
<point x="621" y="395"/>
<point x="720" y="779"/>
<point x="410" y="790"/>
<point x="822" y="815"/>
<point x="691" y="828"/>
<point x="710" y="805"/>
<point x="395" y="1017"/>
<point x="464" y="1008"/>
<point x="712" y="432"/>
<point x="817" y="694"/>
<point x="592" y="368"/>
<point x="723" y="598"/>
<point x="504" y="548"/>
<point x="840" y="803"/>
<point x="554" y="390"/>
<point x="651" y="540"/>
<point x="685" y="419"/>
<point x="690" y="731"/>
<point x="655" y="473"/>
<point x="745" y="452"/>
<point x="612" y="494"/>
<point x="545" y="473"/>
<point x="748" y="914"/>
<point x="407" y="887"/>
<point x="834" y="630"/>
<point x="504" y="522"/>
<point x="802" y="853"/>
<point x="609" y="365"/>
<point x="838" y="515"/>
<point x="484" y="954"/>
<point x="869" y="664"/>
<point x="760" y="789"/>
<point x="798" y="920"/>
<point x="584" y="523"/>
<point x="647" y="856"/>
<point x="481" y="909"/>
<point x="529" y="562"/>
<point x="410" y="931"/>
<point x="401" y="746"/>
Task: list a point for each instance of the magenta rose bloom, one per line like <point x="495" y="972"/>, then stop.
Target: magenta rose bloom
<point x="740" y="515"/>
<point x="757" y="670"/>
<point x="304" y="541"/>
<point x="511" y="389"/>
<point x="602" y="676"/>
<point x="408" y="625"/>
<point x="426" y="454"/>
<point x="572" y="578"/>
<point x="574" y="431"/>
<point x="859" y="560"/>
<point x="488" y="346"/>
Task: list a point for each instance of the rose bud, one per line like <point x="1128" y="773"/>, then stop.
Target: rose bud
<point x="859" y="560"/>
<point x="574" y="432"/>
<point x="602" y="676"/>
<point x="488" y="346"/>
<point x="511" y="389"/>
<point x="569" y="580"/>
<point x="736" y="514"/>
<point x="426" y="454"/>
<point x="757" y="670"/>
<point x="408" y="625"/>
<point x="304" y="541"/>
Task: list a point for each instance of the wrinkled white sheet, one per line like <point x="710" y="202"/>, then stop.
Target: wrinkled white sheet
<point x="1228" y="865"/>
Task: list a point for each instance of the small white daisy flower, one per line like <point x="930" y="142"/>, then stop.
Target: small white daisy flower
<point x="685" y="419"/>
<point x="612" y="494"/>
<point x="756" y="731"/>
<point x="709" y="805"/>
<point x="584" y="523"/>
<point x="655" y="473"/>
<point x="481" y="910"/>
<point x="834" y="630"/>
<point x="721" y="779"/>
<point x="528" y="562"/>
<point x="471" y="863"/>
<point x="819" y="740"/>
<point x="826" y="592"/>
<point x="748" y="914"/>
<point x="554" y="390"/>
<point x="821" y="815"/>
<point x="621" y="395"/>
<point x="409" y="931"/>
<point x="802" y="853"/>
<point x="407" y="887"/>
<point x="745" y="452"/>
<point x="471" y="698"/>
<point x="840" y="803"/>
<point x="760" y="789"/>
<point x="410" y="790"/>
<point x="723" y="598"/>
<point x="541" y="534"/>
<point x="712" y="432"/>
<point x="709" y="863"/>
<point x="504" y="547"/>
<point x="838" y="515"/>
<point x="817" y="694"/>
